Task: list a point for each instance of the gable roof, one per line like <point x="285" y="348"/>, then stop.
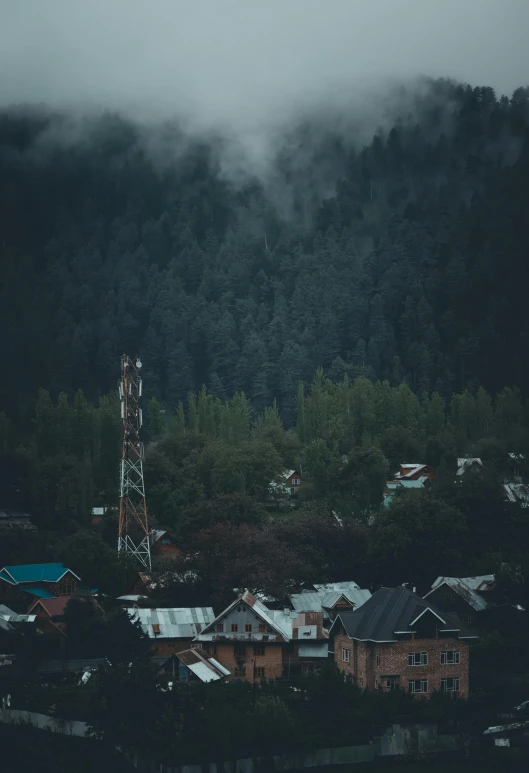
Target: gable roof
<point x="517" y="493"/>
<point x="23" y="573"/>
<point x="408" y="470"/>
<point x="171" y="623"/>
<point x="468" y="588"/>
<point x="281" y="628"/>
<point x="327" y="595"/>
<point x="465" y="463"/>
<point x="206" y="668"/>
<point x="54" y="606"/>
<point x="390" y="611"/>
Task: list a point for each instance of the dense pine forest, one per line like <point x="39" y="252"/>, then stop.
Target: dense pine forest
<point x="357" y="304"/>
<point x="354" y="303"/>
<point x="399" y="258"/>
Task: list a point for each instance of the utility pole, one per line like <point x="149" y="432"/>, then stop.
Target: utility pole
<point x="133" y="534"/>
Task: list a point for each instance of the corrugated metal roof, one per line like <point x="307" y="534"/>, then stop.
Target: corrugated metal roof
<point x="517" y="493"/>
<point x="35" y="572"/>
<point x="42" y="593"/>
<point x="403" y="483"/>
<point x="469" y="588"/>
<point x="172" y="623"/>
<point x="201" y="665"/>
<point x="326" y="596"/>
<point x="463" y="463"/>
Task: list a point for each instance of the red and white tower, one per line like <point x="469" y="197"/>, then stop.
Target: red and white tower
<point x="133" y="535"/>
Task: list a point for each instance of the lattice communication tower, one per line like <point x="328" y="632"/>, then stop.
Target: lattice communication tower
<point x="133" y="535"/>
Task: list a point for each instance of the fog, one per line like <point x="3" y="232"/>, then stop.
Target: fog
<point x="248" y="62"/>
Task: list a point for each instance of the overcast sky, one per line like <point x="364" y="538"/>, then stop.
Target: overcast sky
<point x="241" y="61"/>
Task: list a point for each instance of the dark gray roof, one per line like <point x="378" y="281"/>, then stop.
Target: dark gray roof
<point x="390" y="611"/>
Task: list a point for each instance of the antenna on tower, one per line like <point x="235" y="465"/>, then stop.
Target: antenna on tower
<point x="133" y="534"/>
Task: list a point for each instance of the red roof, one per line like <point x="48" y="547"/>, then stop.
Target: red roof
<point x="54" y="607"/>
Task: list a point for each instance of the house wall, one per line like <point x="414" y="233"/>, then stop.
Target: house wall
<point x="394" y="660"/>
<point x="271" y="661"/>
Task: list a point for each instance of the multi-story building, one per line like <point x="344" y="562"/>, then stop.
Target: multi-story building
<point x="399" y="640"/>
<point x="254" y="642"/>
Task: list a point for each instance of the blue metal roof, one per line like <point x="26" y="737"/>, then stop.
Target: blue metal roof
<point x="33" y="573"/>
<point x="42" y="593"/>
<point x="6" y="577"/>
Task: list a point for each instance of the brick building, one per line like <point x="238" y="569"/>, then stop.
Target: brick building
<point x="252" y="641"/>
<point x="171" y="630"/>
<point x="20" y="585"/>
<point x="399" y="640"/>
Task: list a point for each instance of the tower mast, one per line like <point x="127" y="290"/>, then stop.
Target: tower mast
<point x="133" y="534"/>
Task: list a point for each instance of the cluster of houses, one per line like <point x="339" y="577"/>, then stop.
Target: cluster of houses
<point x="391" y="638"/>
<point x="419" y="476"/>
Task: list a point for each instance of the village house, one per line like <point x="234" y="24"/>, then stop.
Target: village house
<point x="9" y="622"/>
<point x="463" y="596"/>
<point x="163" y="544"/>
<point x="399" y="640"/>
<point x="329" y="599"/>
<point x="141" y="586"/>
<point x="19" y="585"/>
<point x="173" y="629"/>
<point x="254" y="642"/>
<point x="465" y="464"/>
<point x="50" y="621"/>
<point x="13" y="519"/>
<point x="415" y="471"/>
<point x="287" y="483"/>
<point x="194" y="665"/>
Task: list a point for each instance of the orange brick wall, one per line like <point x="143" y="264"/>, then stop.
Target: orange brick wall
<point x="394" y="660"/>
<point x="271" y="661"/>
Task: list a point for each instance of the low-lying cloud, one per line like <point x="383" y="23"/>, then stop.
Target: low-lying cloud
<point x="246" y="63"/>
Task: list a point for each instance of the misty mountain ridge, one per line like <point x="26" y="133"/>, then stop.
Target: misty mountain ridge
<point x="245" y="262"/>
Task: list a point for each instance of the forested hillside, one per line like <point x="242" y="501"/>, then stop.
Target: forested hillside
<point x="404" y="258"/>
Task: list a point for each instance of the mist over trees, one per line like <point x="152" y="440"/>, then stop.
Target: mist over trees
<point x="403" y="259"/>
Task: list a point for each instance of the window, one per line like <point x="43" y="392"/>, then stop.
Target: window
<point x="259" y="650"/>
<point x="65" y="588"/>
<point x="346" y="655"/>
<point x="248" y="627"/>
<point x="240" y="671"/>
<point x="234" y="627"/>
<point x="239" y="650"/>
<point x="262" y="628"/>
<point x="219" y="628"/>
<point x="377" y="658"/>
<point x="418" y="659"/>
<point x="449" y="657"/>
<point x="391" y="684"/>
<point x="450" y="684"/>
<point x="376" y="684"/>
<point x="361" y="681"/>
<point x="259" y="672"/>
<point x="155" y="628"/>
<point x="418" y="685"/>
